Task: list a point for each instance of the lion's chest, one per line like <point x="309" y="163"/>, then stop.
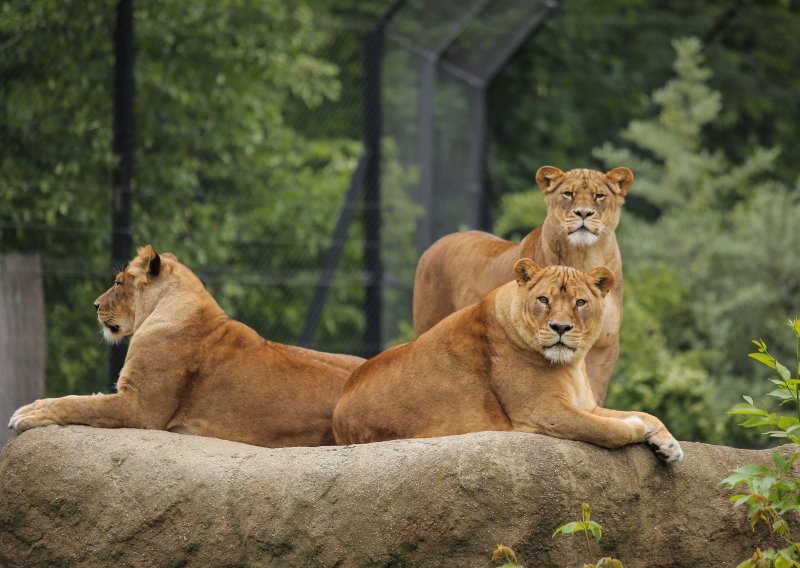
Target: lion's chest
<point x="612" y="316"/>
<point x="575" y="389"/>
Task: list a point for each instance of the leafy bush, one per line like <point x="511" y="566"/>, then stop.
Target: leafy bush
<point x="772" y="494"/>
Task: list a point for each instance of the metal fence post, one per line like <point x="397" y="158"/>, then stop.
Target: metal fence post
<point x="121" y="237"/>
<point x="371" y="214"/>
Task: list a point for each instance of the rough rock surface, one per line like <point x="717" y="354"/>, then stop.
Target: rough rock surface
<point x="79" y="496"/>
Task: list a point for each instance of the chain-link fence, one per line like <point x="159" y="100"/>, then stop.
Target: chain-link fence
<point x="279" y="154"/>
<point x="254" y="153"/>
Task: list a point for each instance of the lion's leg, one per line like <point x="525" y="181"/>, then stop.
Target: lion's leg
<point x="575" y="424"/>
<point x="657" y="436"/>
<point x="612" y="429"/>
<point x="600" y="362"/>
<point x="101" y="410"/>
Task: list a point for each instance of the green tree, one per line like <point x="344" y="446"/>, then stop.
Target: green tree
<point x="727" y="227"/>
<point x="706" y="269"/>
<point x="233" y="172"/>
<point x="590" y="69"/>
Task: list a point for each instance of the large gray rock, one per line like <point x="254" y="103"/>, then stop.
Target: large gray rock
<point x="79" y="496"/>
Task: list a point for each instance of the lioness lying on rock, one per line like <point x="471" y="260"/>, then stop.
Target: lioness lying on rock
<point x="193" y="370"/>
<point x="583" y="209"/>
<point x="513" y="361"/>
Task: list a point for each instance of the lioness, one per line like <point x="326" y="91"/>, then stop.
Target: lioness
<point x="514" y="361"/>
<point x="583" y="208"/>
<point x="193" y="370"/>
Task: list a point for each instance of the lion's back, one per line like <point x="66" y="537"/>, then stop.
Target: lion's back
<point x="455" y="272"/>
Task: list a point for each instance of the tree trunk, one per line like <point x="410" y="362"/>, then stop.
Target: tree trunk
<point x="22" y="335"/>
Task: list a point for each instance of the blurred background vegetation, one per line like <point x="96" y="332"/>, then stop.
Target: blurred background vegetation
<point x="248" y="127"/>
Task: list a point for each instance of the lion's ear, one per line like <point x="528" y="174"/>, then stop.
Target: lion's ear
<point x="547" y="177"/>
<point x="148" y="260"/>
<point x="524" y="270"/>
<point x="603" y="279"/>
<point x="621" y="180"/>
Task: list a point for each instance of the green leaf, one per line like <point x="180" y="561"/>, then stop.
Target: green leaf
<point x="781" y="562"/>
<point x="748" y="399"/>
<point x="756" y="421"/>
<point x="780" y="527"/>
<point x="779" y="461"/>
<point x="752" y="470"/>
<point x="596" y="529"/>
<point x="783" y="371"/>
<point x="781" y="393"/>
<point x="786" y="422"/>
<point x="743" y="408"/>
<point x="763" y="358"/>
<point x="569" y="528"/>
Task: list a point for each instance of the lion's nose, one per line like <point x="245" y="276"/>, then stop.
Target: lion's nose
<point x="96" y="306"/>
<point x="584" y="213"/>
<point x="560" y="328"/>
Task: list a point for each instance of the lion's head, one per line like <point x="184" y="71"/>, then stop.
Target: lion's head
<point x="584" y="203"/>
<point x="117" y="307"/>
<point x="558" y="309"/>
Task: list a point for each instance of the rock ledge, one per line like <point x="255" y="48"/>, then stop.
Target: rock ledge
<point x="80" y="496"/>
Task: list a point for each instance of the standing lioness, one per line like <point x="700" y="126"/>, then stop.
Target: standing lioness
<point x="583" y="209"/>
<point x="193" y="370"/>
<point x="513" y="361"/>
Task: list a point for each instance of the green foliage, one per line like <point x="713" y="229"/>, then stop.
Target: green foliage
<point x="56" y="108"/>
<point x="519" y="213"/>
<point x="587" y="526"/>
<point x="689" y="306"/>
<point x="672" y="385"/>
<point x="233" y="172"/>
<point x="588" y="71"/>
<point x="786" y="393"/>
<point x="717" y="217"/>
<point x="772" y="493"/>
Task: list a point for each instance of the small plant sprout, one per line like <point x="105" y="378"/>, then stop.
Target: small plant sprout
<point x="504" y="554"/>
<point x="772" y="493"/>
<point x="587" y="525"/>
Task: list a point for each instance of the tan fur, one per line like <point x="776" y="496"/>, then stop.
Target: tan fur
<point x="498" y="365"/>
<point x="458" y="269"/>
<point x="193" y="370"/>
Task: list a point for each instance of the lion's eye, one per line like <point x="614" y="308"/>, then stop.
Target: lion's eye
<point x="599" y="196"/>
<point x="580" y="303"/>
<point x="567" y="195"/>
<point x="543" y="300"/>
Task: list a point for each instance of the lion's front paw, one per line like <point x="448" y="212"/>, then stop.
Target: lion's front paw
<point x="32" y="415"/>
<point x="640" y="428"/>
<point x="666" y="448"/>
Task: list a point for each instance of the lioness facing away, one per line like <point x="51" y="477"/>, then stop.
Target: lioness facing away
<point x="514" y="361"/>
<point x="193" y="370"/>
<point x="583" y="210"/>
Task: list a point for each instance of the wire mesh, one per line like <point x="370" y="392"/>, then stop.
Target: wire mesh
<point x="248" y="129"/>
<point x="238" y="170"/>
